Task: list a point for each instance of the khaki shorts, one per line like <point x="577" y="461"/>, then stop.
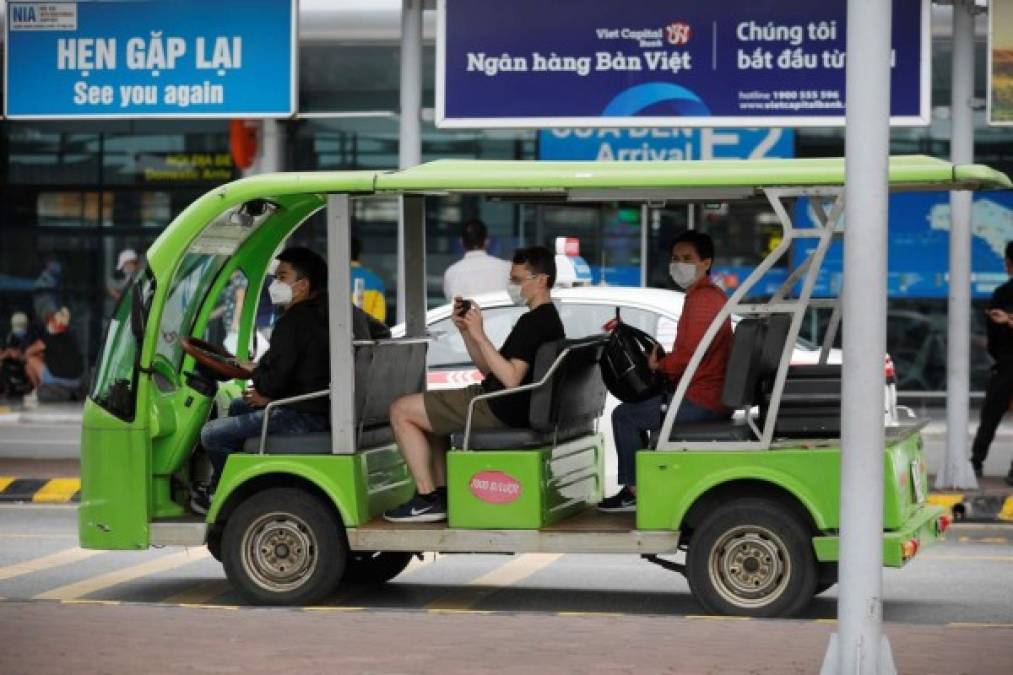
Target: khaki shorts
<point x="447" y="410"/>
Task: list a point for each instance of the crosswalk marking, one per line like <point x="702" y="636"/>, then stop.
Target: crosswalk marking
<point x="200" y="593"/>
<point x="508" y="574"/>
<point x="88" y="586"/>
<point x="46" y="562"/>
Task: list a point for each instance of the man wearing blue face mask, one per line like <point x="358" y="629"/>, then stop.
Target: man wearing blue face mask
<point x="422" y="423"/>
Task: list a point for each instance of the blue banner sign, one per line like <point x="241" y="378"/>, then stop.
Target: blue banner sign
<point x="659" y="63"/>
<point x="664" y="144"/>
<point x="919" y="244"/>
<point x="150" y="58"/>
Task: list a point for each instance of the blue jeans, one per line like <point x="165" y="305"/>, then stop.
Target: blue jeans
<point x="632" y="421"/>
<point x="225" y="435"/>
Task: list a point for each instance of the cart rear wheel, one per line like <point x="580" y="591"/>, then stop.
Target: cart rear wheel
<point x="752" y="557"/>
<point x="284" y="546"/>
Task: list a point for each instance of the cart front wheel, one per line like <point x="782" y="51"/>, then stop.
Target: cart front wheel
<point x="283" y="546"/>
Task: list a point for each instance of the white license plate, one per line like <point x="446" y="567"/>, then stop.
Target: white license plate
<point x="918" y="481"/>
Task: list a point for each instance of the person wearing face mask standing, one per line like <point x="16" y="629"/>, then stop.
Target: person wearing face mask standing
<point x="422" y="423"/>
<point x="298" y="362"/>
<point x="691" y="260"/>
<point x="13" y="376"/>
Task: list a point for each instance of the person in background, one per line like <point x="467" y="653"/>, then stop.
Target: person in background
<point x="999" y="328"/>
<point x="54" y="360"/>
<point x="477" y="272"/>
<point x="13" y="377"/>
<point x="367" y="287"/>
<point x="126" y="266"/>
<point x="691" y="259"/>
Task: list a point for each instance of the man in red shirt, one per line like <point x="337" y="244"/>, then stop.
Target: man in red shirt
<point x="691" y="261"/>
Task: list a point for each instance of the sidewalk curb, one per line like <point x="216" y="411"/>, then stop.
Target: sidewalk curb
<point x="40" y="490"/>
<point x="974" y="508"/>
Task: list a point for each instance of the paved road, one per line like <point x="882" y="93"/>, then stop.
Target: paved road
<point x="949" y="611"/>
<point x="966" y="579"/>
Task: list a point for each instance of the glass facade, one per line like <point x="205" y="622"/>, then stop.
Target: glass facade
<point x="74" y="194"/>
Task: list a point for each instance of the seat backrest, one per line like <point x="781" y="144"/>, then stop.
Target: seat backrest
<point x="384" y="371"/>
<point x="741" y="377"/>
<point x="576" y="393"/>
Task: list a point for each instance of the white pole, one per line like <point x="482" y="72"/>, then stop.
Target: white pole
<point x="956" y="471"/>
<point x="410" y="140"/>
<point x="859" y="645"/>
<point x="645" y="213"/>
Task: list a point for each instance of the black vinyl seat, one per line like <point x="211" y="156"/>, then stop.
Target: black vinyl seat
<point x="384" y="371"/>
<point x="564" y="408"/>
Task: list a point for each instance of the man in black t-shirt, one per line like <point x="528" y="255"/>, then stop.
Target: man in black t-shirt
<point x="1000" y="384"/>
<point x="422" y="423"/>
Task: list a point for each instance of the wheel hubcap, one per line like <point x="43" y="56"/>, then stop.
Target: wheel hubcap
<point x="750" y="566"/>
<point x="279" y="552"/>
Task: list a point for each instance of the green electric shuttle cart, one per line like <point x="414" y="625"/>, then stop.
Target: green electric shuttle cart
<point x="747" y="509"/>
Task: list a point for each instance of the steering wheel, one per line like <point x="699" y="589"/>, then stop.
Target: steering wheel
<point x="215" y="359"/>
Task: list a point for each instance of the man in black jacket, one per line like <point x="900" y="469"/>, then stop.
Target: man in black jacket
<point x="1000" y="384"/>
<point x="298" y="362"/>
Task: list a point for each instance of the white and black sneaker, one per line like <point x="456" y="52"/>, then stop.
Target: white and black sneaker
<point x="430" y="508"/>
<point x="623" y="501"/>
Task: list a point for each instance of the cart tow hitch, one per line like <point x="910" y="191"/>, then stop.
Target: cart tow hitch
<point x="667" y="564"/>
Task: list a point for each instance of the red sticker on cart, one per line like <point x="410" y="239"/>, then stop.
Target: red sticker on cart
<point x="495" y="487"/>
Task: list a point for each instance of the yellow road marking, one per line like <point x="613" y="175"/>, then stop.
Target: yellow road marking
<point x="980" y="625"/>
<point x="199" y="594"/>
<point x="1007" y="509"/>
<point x="331" y="608"/>
<point x="45" y="562"/>
<point x="508" y="574"/>
<point x="89" y="602"/>
<point x="82" y="588"/>
<point x="995" y="558"/>
<point x="5" y="481"/>
<point x="589" y="614"/>
<point x="713" y="617"/>
<point x="20" y="535"/>
<point x="57" y="491"/>
<point x="208" y="606"/>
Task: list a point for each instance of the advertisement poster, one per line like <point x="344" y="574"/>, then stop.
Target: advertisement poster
<point x="919" y="243"/>
<point x="150" y="58"/>
<point x="655" y="63"/>
<point x="1000" y="63"/>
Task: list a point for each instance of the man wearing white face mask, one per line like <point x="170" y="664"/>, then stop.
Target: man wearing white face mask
<point x="422" y="423"/>
<point x="298" y="362"/>
<point x="691" y="260"/>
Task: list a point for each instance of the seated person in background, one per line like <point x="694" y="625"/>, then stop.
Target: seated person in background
<point x="54" y="360"/>
<point x="690" y="266"/>
<point x="13" y="377"/>
<point x="298" y="362"/>
<point x="423" y="422"/>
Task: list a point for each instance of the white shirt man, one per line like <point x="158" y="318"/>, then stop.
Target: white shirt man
<point x="477" y="272"/>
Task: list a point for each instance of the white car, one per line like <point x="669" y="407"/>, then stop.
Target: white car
<point x="584" y="311"/>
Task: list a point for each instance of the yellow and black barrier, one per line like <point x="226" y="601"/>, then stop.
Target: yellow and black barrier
<point x="40" y="490"/>
<point x="975" y="507"/>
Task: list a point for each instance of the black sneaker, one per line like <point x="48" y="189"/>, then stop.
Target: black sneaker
<point x="200" y="499"/>
<point x="623" y="501"/>
<point x="430" y="508"/>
